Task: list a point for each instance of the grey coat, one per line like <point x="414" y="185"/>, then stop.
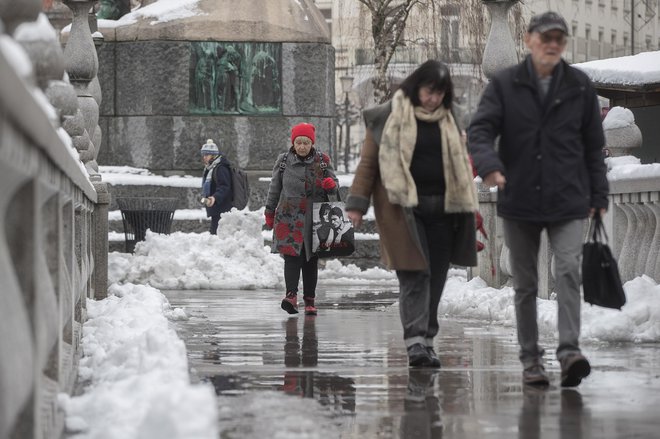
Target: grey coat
<point x="291" y="193"/>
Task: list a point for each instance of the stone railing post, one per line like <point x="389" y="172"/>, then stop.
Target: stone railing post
<point x="82" y="65"/>
<point x="500" y="50"/>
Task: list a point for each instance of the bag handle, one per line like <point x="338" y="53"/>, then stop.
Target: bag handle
<point x="597" y="231"/>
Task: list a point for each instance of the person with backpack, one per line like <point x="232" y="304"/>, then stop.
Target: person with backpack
<point x="301" y="176"/>
<point x="216" y="184"/>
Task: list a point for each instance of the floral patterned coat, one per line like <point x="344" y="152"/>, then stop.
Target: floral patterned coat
<point x="291" y="193"/>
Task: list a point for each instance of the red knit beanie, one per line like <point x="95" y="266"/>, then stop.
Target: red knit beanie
<point x="303" y="129"/>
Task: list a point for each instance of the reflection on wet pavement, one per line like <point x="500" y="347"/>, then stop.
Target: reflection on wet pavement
<point x="344" y="374"/>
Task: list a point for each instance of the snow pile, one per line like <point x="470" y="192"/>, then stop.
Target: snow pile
<point x="136" y="373"/>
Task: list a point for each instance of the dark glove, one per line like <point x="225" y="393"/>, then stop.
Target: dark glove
<point x="270" y="219"/>
<point x="328" y="184"/>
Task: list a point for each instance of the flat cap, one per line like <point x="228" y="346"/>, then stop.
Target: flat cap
<point x="546" y="21"/>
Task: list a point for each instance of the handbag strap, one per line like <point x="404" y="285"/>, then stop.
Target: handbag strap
<point x="597" y="231"/>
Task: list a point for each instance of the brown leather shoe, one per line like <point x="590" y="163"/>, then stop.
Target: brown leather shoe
<point x="574" y="367"/>
<point x="535" y="376"/>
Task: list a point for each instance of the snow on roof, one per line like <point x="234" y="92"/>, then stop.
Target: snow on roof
<point x="635" y="70"/>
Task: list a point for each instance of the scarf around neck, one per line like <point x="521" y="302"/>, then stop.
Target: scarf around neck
<point x="396" y="150"/>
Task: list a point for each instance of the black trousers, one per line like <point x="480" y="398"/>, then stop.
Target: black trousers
<point x="214" y="224"/>
<point x="293" y="265"/>
<point x="420" y="291"/>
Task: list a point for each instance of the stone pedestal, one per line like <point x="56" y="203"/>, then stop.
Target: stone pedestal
<point x="168" y="86"/>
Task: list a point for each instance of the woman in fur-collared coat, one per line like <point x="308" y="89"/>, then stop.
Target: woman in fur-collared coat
<point x="415" y="167"/>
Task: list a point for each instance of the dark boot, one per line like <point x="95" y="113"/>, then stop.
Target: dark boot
<point x="435" y="361"/>
<point x="574" y="367"/>
<point x="290" y="303"/>
<point x="418" y="356"/>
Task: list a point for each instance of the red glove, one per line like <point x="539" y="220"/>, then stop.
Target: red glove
<point x="328" y="183"/>
<point x="270" y="219"/>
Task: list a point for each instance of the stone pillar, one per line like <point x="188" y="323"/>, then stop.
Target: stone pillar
<point x="82" y="66"/>
<point x="500" y="50"/>
<point x="100" y="231"/>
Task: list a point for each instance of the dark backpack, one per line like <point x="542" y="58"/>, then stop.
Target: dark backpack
<point x="240" y="186"/>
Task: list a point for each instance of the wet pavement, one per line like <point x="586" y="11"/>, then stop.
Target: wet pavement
<point x="344" y="374"/>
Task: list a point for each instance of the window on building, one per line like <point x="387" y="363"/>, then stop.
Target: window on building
<point x="649" y="45"/>
<point x="615" y="5"/>
<point x="450" y="28"/>
<point x="587" y="38"/>
<point x="625" y="44"/>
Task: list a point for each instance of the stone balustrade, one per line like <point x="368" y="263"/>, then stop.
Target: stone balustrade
<point x="632" y="224"/>
<point x="53" y="235"/>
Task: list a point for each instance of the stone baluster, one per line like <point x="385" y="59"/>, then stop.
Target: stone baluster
<point x="500" y="50"/>
<point x="40" y="42"/>
<point x="15" y="12"/>
<point x="82" y="65"/>
<point x="653" y="262"/>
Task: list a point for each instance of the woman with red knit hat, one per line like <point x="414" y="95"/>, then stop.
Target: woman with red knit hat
<point x="301" y="176"/>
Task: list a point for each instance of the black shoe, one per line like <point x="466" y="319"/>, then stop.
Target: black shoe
<point x="418" y="356"/>
<point x="574" y="367"/>
<point x="435" y="361"/>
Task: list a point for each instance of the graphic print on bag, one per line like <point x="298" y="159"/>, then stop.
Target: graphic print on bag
<point x="333" y="234"/>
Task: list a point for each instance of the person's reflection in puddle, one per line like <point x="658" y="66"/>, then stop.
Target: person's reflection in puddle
<point x="572" y="415"/>
<point x="294" y="356"/>
<point x="328" y="389"/>
<point x="300" y="383"/>
<point x="529" y="420"/>
<point x="422" y="417"/>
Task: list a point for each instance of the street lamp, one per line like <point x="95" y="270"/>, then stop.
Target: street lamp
<point x="346" y="85"/>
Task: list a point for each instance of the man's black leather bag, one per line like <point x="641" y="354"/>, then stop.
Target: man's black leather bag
<point x="601" y="282"/>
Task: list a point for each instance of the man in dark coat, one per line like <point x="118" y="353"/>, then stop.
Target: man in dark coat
<point x="216" y="184"/>
<point x="551" y="175"/>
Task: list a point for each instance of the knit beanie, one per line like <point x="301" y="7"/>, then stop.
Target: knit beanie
<point x="303" y="129"/>
<point x="210" y="148"/>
